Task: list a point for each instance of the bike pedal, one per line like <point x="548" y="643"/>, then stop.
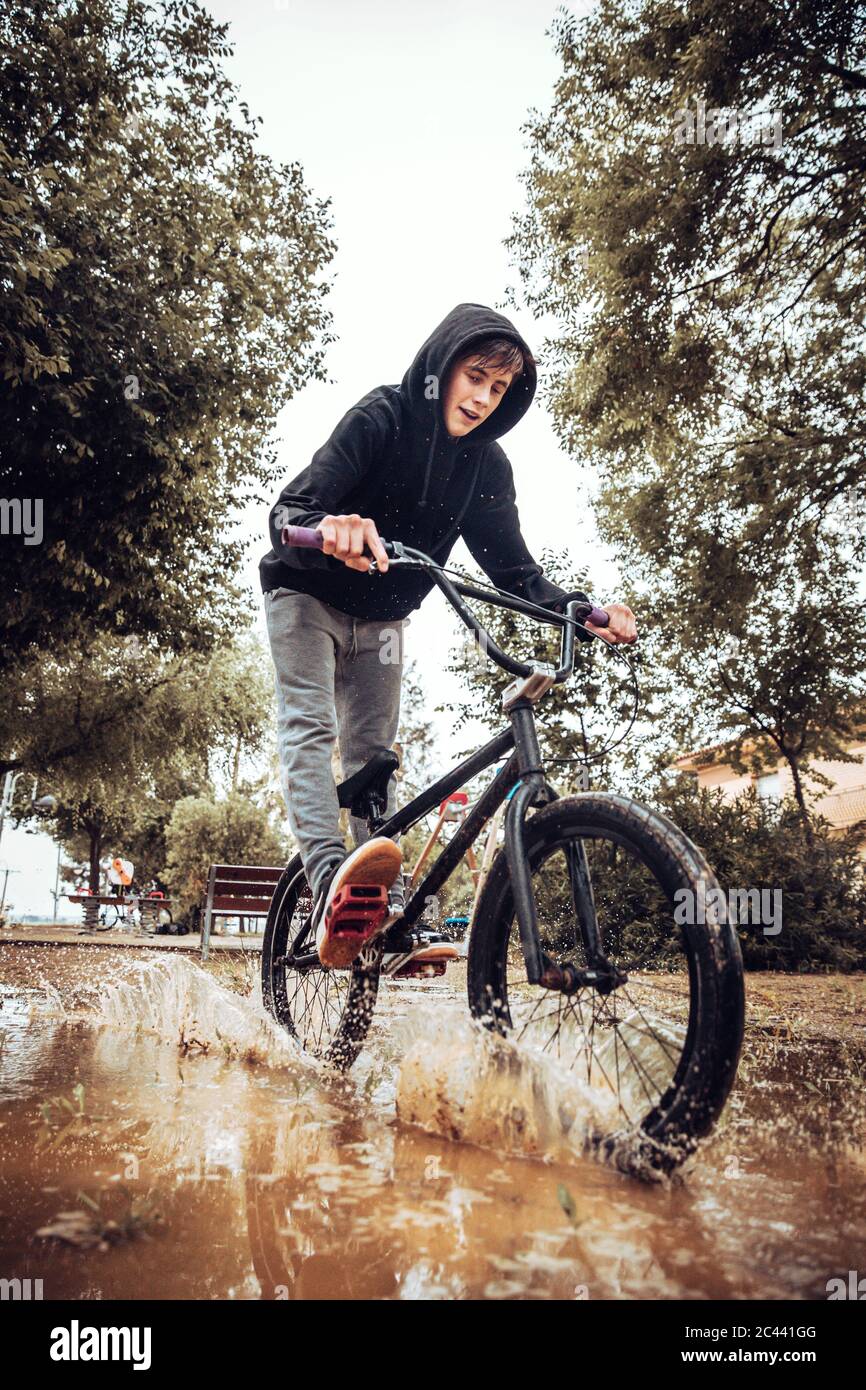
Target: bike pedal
<point x="356" y="907"/>
<point x="424" y="961"/>
<point x="352" y="917"/>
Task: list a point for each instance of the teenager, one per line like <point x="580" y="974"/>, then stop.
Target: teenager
<point x="418" y="463"/>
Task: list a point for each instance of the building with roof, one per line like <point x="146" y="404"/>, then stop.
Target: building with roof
<point x="843" y="803"/>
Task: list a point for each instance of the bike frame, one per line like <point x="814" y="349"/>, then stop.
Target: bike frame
<point x="524" y="765"/>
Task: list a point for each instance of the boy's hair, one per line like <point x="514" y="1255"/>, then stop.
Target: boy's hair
<point x="501" y="352"/>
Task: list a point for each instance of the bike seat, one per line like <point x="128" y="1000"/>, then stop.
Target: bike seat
<point x="368" y="785"/>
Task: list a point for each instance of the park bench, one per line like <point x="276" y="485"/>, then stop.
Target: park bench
<point x="237" y="890"/>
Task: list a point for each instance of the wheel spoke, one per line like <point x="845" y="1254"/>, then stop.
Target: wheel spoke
<point x="627" y="1041"/>
<point x="615" y="1091"/>
<point x="327" y="1011"/>
<point x="649" y="1032"/>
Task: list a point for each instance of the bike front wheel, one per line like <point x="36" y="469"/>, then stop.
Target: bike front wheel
<point x="663" y="1042"/>
<point x="328" y="1012"/>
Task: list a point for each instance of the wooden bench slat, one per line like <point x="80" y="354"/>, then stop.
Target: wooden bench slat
<point x="255" y="873"/>
<point x="241" y="885"/>
<point x="243" y="890"/>
<point x="238" y="890"/>
<point x="233" y="905"/>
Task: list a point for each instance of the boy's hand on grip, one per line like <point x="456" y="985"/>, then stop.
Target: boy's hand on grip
<point x="621" y="630"/>
<point x="345" y="537"/>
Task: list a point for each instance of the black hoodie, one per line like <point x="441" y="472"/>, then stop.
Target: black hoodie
<point x="391" y="458"/>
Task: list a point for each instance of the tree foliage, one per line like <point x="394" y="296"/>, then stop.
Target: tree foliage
<point x="159" y="302"/>
<point x="696" y="227"/>
<point x="749" y="843"/>
<point x="755" y="844"/>
<point x="119" y="735"/>
<point x="710" y="293"/>
<point x="203" y="831"/>
<point x="579" y="720"/>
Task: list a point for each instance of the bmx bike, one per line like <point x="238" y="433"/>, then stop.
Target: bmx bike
<point x="576" y="947"/>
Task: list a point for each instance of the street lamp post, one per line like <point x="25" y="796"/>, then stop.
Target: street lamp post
<point x="56" y="885"/>
<point x="6" y="873"/>
<point x="9" y="784"/>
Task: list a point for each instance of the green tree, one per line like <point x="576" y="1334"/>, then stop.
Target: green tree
<point x="707" y="282"/>
<point x="696" y="228"/>
<point x="120" y="734"/>
<point x="416" y="741"/>
<point x="203" y="831"/>
<point x="159" y="303"/>
<point x="755" y="844"/>
<point x="750" y="844"/>
<point x="577" y="722"/>
<point x="782" y="681"/>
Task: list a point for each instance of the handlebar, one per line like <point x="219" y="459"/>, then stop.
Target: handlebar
<point x="406" y="557"/>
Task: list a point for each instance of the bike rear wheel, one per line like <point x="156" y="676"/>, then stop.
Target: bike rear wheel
<point x="327" y="1011"/>
<point x="665" y="1043"/>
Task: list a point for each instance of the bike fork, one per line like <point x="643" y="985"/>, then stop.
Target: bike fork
<point x="535" y="790"/>
<point x="526" y="795"/>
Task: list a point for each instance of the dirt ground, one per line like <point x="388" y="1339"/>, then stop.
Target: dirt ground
<point x="825" y="1006"/>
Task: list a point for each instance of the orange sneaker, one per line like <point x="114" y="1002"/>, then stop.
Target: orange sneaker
<point x="356" y="903"/>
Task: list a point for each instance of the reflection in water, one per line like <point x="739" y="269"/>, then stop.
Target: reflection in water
<point x="447" y="1164"/>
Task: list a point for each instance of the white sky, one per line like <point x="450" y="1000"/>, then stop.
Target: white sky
<point x="408" y="117"/>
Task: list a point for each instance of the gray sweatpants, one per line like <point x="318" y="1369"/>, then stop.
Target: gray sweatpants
<point x="333" y="674"/>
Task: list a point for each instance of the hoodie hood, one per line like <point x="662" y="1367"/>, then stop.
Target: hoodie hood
<point x="423" y="386"/>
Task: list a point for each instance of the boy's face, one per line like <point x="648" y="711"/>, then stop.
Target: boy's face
<point x="473" y="393"/>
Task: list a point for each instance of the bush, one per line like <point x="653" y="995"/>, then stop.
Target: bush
<point x="202" y="832"/>
<point x="751" y="843"/>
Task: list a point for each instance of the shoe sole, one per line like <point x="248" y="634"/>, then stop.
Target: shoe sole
<point x="373" y="864"/>
<point x="405" y="966"/>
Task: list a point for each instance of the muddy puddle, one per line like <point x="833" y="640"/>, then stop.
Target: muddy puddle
<point x="159" y="1137"/>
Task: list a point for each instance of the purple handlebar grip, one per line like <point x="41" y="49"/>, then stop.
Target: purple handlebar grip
<point x="302" y="535"/>
<point x="598" y="616"/>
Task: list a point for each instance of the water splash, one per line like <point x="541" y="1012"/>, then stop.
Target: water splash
<point x="184" y="1006"/>
<point x="476" y="1087"/>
